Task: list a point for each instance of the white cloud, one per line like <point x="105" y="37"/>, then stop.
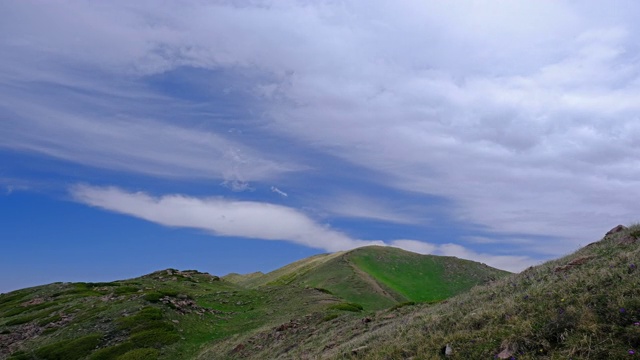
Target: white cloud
<point x="221" y="217"/>
<point x="259" y="221"/>
<point x="357" y="206"/>
<point x="279" y="192"/>
<point x="415" y="246"/>
<point x="510" y="263"/>
<point x="132" y="144"/>
<point x="524" y="115"/>
<point x="504" y="262"/>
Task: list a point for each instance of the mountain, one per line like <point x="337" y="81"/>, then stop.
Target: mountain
<point x="172" y="314"/>
<point x="378" y="277"/>
<point x="582" y="306"/>
<point x="369" y="303"/>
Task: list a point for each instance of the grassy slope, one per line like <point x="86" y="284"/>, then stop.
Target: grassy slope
<point x="241" y="279"/>
<point x="422" y="277"/>
<point x="129" y="316"/>
<point x="554" y="311"/>
<point x="589" y="310"/>
<point x="289" y="273"/>
<point x="378" y="277"/>
<point x="176" y="315"/>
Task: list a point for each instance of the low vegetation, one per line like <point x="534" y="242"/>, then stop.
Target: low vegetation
<point x="370" y="303"/>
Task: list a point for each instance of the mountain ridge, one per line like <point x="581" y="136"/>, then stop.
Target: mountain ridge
<point x="173" y="314"/>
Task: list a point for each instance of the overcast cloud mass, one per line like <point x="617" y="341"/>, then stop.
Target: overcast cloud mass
<point x="503" y="132"/>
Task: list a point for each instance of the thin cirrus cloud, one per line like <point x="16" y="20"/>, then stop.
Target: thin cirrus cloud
<point x="522" y="115"/>
<point x="249" y="219"/>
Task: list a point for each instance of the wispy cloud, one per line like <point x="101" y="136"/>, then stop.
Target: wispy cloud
<point x="356" y="206"/>
<point x="247" y="219"/>
<point x="434" y="97"/>
<point x="278" y="191"/>
<point x="259" y="220"/>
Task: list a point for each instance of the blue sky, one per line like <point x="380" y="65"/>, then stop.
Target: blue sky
<point x="238" y="136"/>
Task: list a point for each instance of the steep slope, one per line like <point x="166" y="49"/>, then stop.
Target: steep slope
<point x="288" y="273"/>
<point x="582" y="306"/>
<point x="377" y="277"/>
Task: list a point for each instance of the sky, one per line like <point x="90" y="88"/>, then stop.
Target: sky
<point x="239" y="136"/>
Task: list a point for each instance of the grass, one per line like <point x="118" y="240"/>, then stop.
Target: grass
<point x="586" y="311"/>
<point x="347" y="306"/>
<point x="424" y="278"/>
<point x="330" y="307"/>
<point x="72" y="349"/>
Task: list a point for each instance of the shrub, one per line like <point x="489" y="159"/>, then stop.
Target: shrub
<point x="401" y="305"/>
<point x="329" y="317"/>
<point x="346" y="306"/>
<point x="140" y="354"/>
<point x="153" y="297"/>
<point x="69" y="349"/>
<point x="154" y="338"/>
<point x="324" y="291"/>
<point x="144" y="317"/>
<point x="112" y="352"/>
<point x="123" y="290"/>
<point x="169" y="292"/>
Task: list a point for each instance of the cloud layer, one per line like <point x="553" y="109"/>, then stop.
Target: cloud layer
<point x="523" y="116"/>
<point x="249" y="219"/>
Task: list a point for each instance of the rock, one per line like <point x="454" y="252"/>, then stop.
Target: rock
<point x="238" y="348"/>
<point x="359" y="350"/>
<point x="36" y="301"/>
<point x="580" y="260"/>
<point x="448" y="350"/>
<point x="616" y="230"/>
<point x="505" y="354"/>
<point x="627" y="240"/>
<point x="575" y="262"/>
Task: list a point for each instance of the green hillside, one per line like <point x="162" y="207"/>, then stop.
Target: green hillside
<point x="582" y="306"/>
<point x="421" y="278"/>
<point x="377" y="277"/>
<point x="169" y="314"/>
<point x="173" y="314"/>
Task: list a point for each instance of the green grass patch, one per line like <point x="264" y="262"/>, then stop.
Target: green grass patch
<point x="112" y="352"/>
<point x="153" y="297"/>
<point x="29" y="318"/>
<point x="169" y="292"/>
<point x="124" y="290"/>
<point x="347" y="306"/>
<point x="330" y="317"/>
<point x="50" y="320"/>
<point x="421" y="277"/>
<point x="155" y="338"/>
<point x="73" y="349"/>
<point x="144" y="318"/>
<point x="401" y="305"/>
<point x="140" y="354"/>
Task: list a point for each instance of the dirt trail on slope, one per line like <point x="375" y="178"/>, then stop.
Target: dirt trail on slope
<point x="371" y="281"/>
